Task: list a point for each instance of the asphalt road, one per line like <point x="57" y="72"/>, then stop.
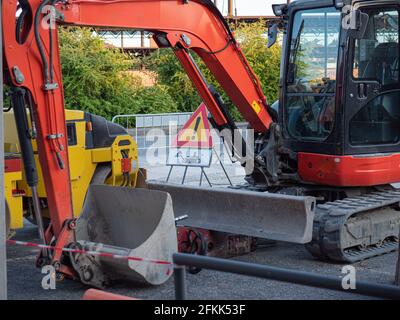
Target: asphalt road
<point x="24" y="279"/>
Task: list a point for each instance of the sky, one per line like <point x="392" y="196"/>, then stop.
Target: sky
<point x="250" y="7"/>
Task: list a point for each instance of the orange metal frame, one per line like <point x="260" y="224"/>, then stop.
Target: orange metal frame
<point x="49" y="116"/>
<point x="209" y="39"/>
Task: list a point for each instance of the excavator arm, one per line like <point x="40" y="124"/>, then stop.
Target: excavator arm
<point x="25" y="48"/>
<point x="186" y="26"/>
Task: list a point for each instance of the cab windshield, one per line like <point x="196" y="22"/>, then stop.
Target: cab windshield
<point x="311" y="78"/>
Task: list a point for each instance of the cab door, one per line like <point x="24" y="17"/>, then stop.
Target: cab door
<point x="372" y="109"/>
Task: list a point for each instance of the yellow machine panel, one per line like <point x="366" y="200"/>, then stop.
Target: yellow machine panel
<point x="118" y="157"/>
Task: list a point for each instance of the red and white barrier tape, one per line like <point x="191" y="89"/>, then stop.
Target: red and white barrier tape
<point x="93" y="253"/>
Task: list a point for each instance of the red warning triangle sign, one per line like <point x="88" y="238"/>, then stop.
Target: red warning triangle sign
<point x="196" y="132"/>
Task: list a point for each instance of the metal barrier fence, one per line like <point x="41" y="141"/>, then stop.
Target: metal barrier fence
<point x="181" y="261"/>
<point x="130" y="121"/>
<point x="138" y="125"/>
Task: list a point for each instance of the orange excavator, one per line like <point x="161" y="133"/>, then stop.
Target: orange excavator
<point x="324" y="157"/>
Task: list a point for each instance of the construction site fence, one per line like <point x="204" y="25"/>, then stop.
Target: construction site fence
<point x="140" y="126"/>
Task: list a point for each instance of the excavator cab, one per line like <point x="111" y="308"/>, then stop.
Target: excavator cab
<point x="340" y="90"/>
<point x="340" y="122"/>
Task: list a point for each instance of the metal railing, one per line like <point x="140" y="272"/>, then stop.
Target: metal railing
<point x="139" y="125"/>
<point x="181" y="261"/>
<point x="132" y="121"/>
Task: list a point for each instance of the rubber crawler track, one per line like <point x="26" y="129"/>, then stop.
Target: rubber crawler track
<point x="330" y="221"/>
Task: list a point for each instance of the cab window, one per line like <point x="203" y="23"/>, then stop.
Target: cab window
<point x="311" y="77"/>
<point x="376" y="58"/>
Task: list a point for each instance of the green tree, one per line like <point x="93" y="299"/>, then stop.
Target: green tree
<point x="96" y="78"/>
<point x="264" y="61"/>
<point x="174" y="78"/>
<point x="154" y="100"/>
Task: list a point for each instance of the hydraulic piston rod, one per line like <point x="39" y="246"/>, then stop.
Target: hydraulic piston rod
<point x="25" y="137"/>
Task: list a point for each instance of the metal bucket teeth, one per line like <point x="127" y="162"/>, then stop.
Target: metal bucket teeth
<point x="263" y="215"/>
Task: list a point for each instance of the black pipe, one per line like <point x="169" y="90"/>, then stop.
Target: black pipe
<point x="19" y="24"/>
<point x="397" y="280"/>
<point x="180" y="282"/>
<point x="286" y="275"/>
<point x="39" y="43"/>
<point x="24" y="135"/>
<point x="28" y="157"/>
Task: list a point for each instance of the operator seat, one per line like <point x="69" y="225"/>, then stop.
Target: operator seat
<point x="387" y="57"/>
<point x="384" y="67"/>
<point x="382" y="64"/>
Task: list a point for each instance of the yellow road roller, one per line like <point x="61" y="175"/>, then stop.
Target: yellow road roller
<point x="100" y="152"/>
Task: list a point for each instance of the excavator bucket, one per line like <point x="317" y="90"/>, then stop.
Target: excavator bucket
<point x="256" y="214"/>
<point x="125" y="222"/>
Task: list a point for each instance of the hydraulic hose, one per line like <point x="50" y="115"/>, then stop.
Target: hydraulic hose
<point x="39" y="40"/>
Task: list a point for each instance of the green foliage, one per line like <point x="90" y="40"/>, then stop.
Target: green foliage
<point x="96" y="78"/>
<point x="154" y="100"/>
<point x="265" y="63"/>
<point x="173" y="77"/>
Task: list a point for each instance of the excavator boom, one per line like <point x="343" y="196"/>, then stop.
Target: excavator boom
<point x="185" y="26"/>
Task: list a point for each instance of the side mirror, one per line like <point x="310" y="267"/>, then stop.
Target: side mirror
<point x="357" y="23"/>
<point x="279" y="9"/>
<point x="272" y="35"/>
<point x="340" y="4"/>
